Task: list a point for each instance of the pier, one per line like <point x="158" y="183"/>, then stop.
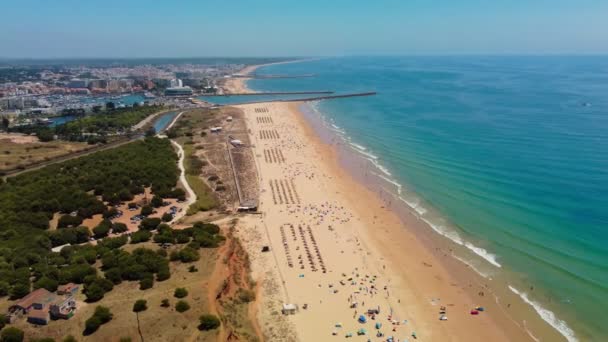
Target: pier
<point x="308" y="99"/>
<point x="270" y="93"/>
<point x="273" y="76"/>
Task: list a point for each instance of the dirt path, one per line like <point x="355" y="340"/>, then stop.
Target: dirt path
<point x="182" y="178"/>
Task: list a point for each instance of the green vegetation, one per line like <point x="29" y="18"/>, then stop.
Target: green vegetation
<point x="28" y="202"/>
<point x="208" y="322"/>
<point x="98" y="127"/>
<point x="102" y="315"/>
<point x="205" y="200"/>
<point x="140" y="305"/>
<point x="180" y="292"/>
<point x="112" y="121"/>
<point x="182" y="306"/>
<point x="165" y="303"/>
<point x="11" y="334"/>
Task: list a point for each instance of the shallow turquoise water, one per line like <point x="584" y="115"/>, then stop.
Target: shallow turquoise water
<point x="511" y="151"/>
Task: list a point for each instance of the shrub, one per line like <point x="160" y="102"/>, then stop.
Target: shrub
<point x="188" y="254"/>
<point x="109" y="213"/>
<point x="47" y="283"/>
<point x="69" y="221"/>
<point x="91" y="325"/>
<point x="192" y="269"/>
<point x="149" y="223"/>
<point x="165" y="303"/>
<point x="167" y="217"/>
<point x="146" y="282"/>
<point x="102" y="315"/>
<point x="180" y="292"/>
<point x="118" y="227"/>
<point x="246" y="296"/>
<point x="156" y="201"/>
<point x="11" y="334"/>
<point x="182" y="306"/>
<point x="140" y="305"/>
<point x="146" y="210"/>
<point x="163" y="273"/>
<point x="102" y="229"/>
<point x="140" y="236"/>
<point x="208" y="322"/>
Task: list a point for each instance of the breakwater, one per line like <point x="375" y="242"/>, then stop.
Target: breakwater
<point x="269" y="93"/>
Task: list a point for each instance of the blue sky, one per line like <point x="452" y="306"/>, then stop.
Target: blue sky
<point x="189" y="28"/>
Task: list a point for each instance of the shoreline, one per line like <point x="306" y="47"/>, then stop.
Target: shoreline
<point x="527" y="316"/>
<point x="239" y="84"/>
<point x="416" y="283"/>
<point x="458" y="269"/>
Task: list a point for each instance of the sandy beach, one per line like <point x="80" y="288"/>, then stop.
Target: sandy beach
<point x="338" y="251"/>
<point x="371" y="256"/>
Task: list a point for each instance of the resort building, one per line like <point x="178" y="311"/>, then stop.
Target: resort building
<point x="41" y="306"/>
<point x="178" y="91"/>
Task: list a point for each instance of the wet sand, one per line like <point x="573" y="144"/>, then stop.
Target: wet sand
<point x="333" y="242"/>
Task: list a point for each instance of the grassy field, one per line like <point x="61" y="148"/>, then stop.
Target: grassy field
<point x="157" y="323"/>
<point x="189" y="128"/>
<point x="15" y="155"/>
<point x="205" y="200"/>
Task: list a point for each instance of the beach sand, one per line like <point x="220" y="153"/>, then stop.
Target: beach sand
<point x="236" y="85"/>
<point x="316" y="217"/>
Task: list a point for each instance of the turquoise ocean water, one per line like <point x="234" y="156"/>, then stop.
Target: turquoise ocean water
<point x="507" y="156"/>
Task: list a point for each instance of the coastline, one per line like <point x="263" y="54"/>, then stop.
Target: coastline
<point x="458" y="273"/>
<point x="512" y="311"/>
<point x="238" y="85"/>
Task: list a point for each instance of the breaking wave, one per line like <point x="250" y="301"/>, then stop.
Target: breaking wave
<point x="548" y="316"/>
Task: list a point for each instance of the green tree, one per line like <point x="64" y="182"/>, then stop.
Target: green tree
<point x="146" y="210"/>
<point x="165" y="303"/>
<point x="140" y="236"/>
<point x="91" y="325"/>
<point x="180" y="292"/>
<point x="182" y="306"/>
<point x="208" y="322"/>
<point x="19" y="290"/>
<point x="3" y="321"/>
<point x="149" y="223"/>
<point x="11" y="334"/>
<point x="140" y="305"/>
<point x="47" y="283"/>
<point x="156" y="201"/>
<point x="146" y="282"/>
<point x="167" y="217"/>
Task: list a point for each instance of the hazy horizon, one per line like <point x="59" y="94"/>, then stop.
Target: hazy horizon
<point x="269" y="28"/>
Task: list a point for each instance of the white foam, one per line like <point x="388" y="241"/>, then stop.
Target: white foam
<point x="453" y="235"/>
<point x="414" y="205"/>
<point x="470" y="264"/>
<point x="355" y="145"/>
<point x="548" y="316"/>
<point x="337" y="129"/>
<point x="489" y="257"/>
<point x="391" y="181"/>
<point x="379" y="166"/>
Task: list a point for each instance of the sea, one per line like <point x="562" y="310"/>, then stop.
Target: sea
<point x="506" y="156"/>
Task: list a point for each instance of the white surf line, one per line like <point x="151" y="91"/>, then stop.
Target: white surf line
<point x="182" y="177"/>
